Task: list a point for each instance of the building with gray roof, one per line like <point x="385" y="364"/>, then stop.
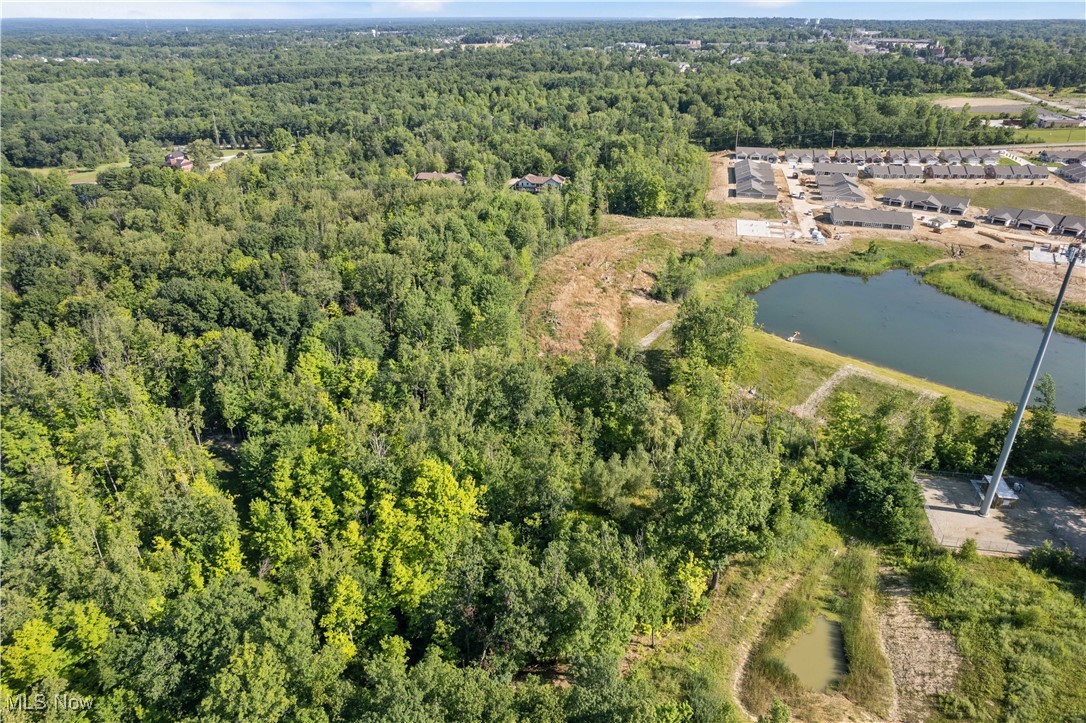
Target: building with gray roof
<point x="754" y="179"/>
<point x="871" y="218"/>
<point x="924" y="201"/>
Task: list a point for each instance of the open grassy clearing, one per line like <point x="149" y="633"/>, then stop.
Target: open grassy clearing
<point x="766" y="210"/>
<point x="1022" y="633"/>
<point x="80" y="175"/>
<point x="1051" y="135"/>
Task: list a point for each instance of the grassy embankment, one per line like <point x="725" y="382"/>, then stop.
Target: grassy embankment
<point x="843" y="589"/>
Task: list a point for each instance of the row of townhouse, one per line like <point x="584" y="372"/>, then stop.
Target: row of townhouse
<point x="754" y="179"/>
<point x="924" y="201"/>
<point x="1030" y="220"/>
<point x="868" y="156"/>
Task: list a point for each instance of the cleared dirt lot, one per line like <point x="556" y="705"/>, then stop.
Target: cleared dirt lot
<point x="983" y="105"/>
<point x="1042" y="513"/>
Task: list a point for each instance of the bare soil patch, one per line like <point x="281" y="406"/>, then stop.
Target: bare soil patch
<point x="983" y="105"/>
<point x="925" y="660"/>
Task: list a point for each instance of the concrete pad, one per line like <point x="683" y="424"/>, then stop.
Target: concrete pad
<point x="951" y="504"/>
<point x="762" y="229"/>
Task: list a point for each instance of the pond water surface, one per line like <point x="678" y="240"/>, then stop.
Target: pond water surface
<point x="896" y="321"/>
<point x="817" y="656"/>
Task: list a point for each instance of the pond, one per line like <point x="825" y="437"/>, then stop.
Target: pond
<point x="817" y="656"/>
<point x="895" y="321"/>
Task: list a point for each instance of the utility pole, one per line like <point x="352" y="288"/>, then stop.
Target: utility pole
<point x="997" y="475"/>
<point x="833" y="134"/>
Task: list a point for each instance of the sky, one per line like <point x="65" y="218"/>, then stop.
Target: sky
<point x="446" y="9"/>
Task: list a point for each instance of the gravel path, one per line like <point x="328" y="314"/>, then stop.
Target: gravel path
<point x="655" y="334"/>
<point x="924" y="659"/>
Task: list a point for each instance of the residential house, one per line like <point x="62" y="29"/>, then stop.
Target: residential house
<point x="822" y="156"/>
<point x="535" y="184"/>
<point x="799" y="156"/>
<point x="938" y="172"/>
<point x="836" y="188"/>
<point x="845" y="169"/>
<point x="438" y="176"/>
<point x="974" y="172"/>
<point x="912" y="171"/>
<point x="1030" y="220"/>
<point x="912" y="155"/>
<point x="1001" y="173"/>
<point x="1071" y="226"/>
<point x="898" y="155"/>
<point x="1003" y="216"/>
<point x="1073" y="173"/>
<point x="1038" y="220"/>
<point x="950" y="155"/>
<point x="971" y="157"/>
<point x="1062" y="156"/>
<point x="750" y="153"/>
<point x="989" y="156"/>
<point x="848" y="155"/>
<point x="924" y="201"/>
<point x="754" y="179"/>
<point x="878" y="172"/>
<point x="871" y="218"/>
<point x="928" y="156"/>
<point x="179" y="160"/>
<point x="872" y="156"/>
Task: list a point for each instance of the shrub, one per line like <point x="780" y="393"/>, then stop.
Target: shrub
<point x="1051" y="559"/>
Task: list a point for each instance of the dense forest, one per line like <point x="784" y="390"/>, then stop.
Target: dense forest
<point x="557" y="102"/>
<point x="277" y="442"/>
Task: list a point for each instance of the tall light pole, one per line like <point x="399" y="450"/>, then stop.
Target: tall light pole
<point x="997" y="475"/>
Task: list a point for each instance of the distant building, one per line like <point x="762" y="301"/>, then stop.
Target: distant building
<point x="845" y="169"/>
<point x="753" y="153"/>
<point x="534" y="184"/>
<point x="1062" y="156"/>
<point x="437" y="176"/>
<point x="1018" y="172"/>
<point x="894" y="170"/>
<point x="179" y="160"/>
<point x="871" y="218"/>
<point x="799" y="156"/>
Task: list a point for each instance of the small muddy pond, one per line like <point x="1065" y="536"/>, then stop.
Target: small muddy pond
<point x="817" y="656"/>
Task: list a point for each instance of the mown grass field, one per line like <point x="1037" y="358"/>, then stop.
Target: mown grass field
<point x="1051" y="135"/>
<point x="766" y="210"/>
<point x="81" y="175"/>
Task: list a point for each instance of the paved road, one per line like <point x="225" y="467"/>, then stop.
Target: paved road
<point x="1069" y="108"/>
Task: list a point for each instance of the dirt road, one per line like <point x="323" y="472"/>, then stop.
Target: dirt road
<point x="925" y="660"/>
